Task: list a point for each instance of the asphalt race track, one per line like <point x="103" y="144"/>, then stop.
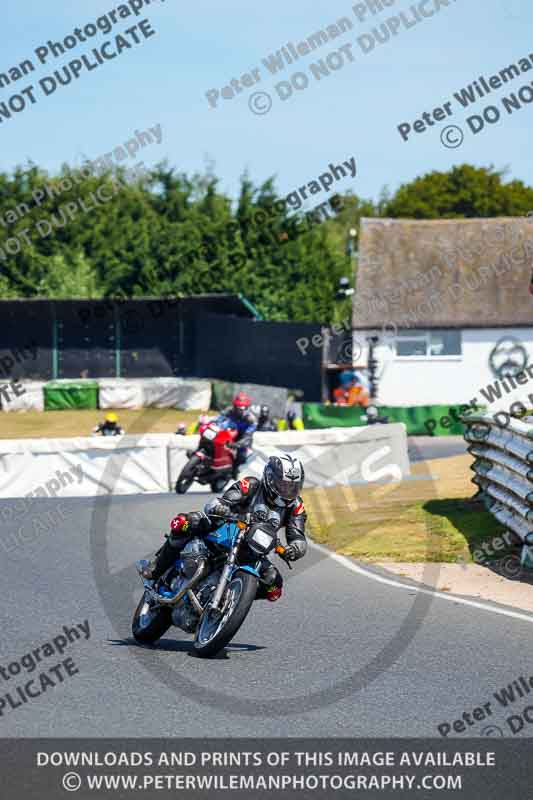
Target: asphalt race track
<point x="340" y="655"/>
<point x="422" y="448"/>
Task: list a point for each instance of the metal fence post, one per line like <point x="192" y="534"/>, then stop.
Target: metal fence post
<point x="118" y="341"/>
<point x="55" y="357"/>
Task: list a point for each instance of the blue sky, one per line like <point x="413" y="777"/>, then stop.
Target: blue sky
<point x="202" y="46"/>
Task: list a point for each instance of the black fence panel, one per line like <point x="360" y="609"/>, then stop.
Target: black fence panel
<point x="26" y="340"/>
<point x="156" y="340"/>
<point x="270" y="353"/>
<point x="48" y="339"/>
<point x="86" y="340"/>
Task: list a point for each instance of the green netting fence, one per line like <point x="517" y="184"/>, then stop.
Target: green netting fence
<point x="438" y="420"/>
<point x="61" y="395"/>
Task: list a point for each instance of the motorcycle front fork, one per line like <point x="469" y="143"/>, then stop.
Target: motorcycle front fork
<point x="226" y="575"/>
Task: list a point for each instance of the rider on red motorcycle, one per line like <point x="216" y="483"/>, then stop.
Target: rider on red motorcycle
<point x="241" y="417"/>
<point x="277" y="494"/>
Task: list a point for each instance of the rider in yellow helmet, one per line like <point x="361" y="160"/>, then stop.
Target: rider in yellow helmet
<point x="110" y="426"/>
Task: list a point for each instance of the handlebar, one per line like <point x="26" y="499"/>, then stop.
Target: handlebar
<point x="280" y="551"/>
<point x="245" y="519"/>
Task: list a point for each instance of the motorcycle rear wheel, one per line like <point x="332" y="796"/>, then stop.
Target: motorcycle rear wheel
<point x="187" y="475"/>
<point x="214" y="632"/>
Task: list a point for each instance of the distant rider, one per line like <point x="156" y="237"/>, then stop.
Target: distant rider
<point x="110" y="426"/>
<point x="264" y="421"/>
<point x="241" y="417"/>
<point x="276" y="496"/>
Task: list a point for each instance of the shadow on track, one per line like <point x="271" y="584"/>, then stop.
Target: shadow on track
<point x="174" y="646"/>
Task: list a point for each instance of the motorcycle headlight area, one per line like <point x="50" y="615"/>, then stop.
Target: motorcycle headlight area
<point x="261" y="541"/>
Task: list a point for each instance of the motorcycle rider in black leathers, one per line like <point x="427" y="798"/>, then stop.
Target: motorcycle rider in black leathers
<point x="276" y="496"/>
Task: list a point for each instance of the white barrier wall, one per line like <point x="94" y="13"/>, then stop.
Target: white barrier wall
<point x="83" y="467"/>
<point x="31" y="399"/>
<point x="182" y="393"/>
<point x="90" y="466"/>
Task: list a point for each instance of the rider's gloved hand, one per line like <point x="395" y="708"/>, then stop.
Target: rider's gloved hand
<point x="199" y="522"/>
<point x="295" y="550"/>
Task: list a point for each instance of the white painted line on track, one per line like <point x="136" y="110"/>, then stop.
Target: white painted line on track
<point x="451" y="598"/>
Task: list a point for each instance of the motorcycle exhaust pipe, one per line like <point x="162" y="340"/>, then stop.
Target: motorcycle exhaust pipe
<point x="172" y="601"/>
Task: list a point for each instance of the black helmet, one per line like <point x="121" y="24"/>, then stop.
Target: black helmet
<point x="264" y="411"/>
<point x="283" y="479"/>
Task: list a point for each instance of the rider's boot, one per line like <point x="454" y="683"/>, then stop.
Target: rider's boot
<point x="164" y="558"/>
<point x="169" y="552"/>
<point x="272" y="588"/>
<point x="273" y="593"/>
<point x="239" y="461"/>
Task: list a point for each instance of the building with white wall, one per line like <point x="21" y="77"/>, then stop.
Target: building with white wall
<point x="451" y="304"/>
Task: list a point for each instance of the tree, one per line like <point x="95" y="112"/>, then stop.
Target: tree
<point x="67" y="277"/>
<point x="172" y="234"/>
<point x="465" y="191"/>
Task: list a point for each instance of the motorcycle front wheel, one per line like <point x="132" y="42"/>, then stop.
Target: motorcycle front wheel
<point x="215" y="630"/>
<point x="149" y="623"/>
<point x="187" y="475"/>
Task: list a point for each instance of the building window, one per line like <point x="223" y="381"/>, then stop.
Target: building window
<point x="428" y="344"/>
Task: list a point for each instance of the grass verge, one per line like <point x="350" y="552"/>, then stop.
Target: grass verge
<point x="57" y="424"/>
<point x="406" y="521"/>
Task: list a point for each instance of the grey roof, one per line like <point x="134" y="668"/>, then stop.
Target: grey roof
<point x="444" y="273"/>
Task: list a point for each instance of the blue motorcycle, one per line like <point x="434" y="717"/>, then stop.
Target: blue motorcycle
<point x="211" y="587"/>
